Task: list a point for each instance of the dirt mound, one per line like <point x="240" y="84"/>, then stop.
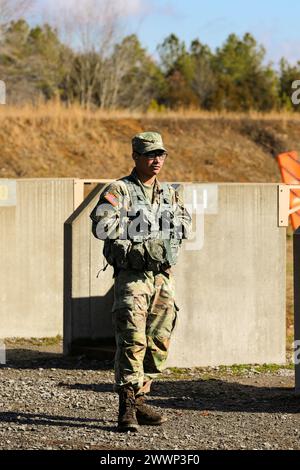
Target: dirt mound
<point x="208" y="149"/>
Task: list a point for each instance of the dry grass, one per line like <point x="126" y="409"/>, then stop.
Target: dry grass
<point x="51" y="140"/>
<point x="57" y="111"/>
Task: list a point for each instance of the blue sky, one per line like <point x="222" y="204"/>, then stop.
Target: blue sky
<point x="273" y="23"/>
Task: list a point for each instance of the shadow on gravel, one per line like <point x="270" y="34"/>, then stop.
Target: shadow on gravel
<point x="98" y="388"/>
<point x="213" y="395"/>
<point x="52" y="420"/>
<point x="201" y="395"/>
<point x="219" y="395"/>
<point x="33" y="359"/>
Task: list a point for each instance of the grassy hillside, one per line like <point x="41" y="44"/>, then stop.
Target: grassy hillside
<point x="50" y="141"/>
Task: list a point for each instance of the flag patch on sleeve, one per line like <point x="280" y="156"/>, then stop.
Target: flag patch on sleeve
<point x="111" y="199"/>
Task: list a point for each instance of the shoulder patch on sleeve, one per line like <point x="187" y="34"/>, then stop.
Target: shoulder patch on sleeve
<point x="111" y="199"/>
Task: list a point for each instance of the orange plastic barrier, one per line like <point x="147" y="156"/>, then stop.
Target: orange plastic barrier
<point x="290" y="174"/>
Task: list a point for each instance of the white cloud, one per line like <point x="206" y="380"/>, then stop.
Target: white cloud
<point x="87" y="24"/>
<point x="124" y="7"/>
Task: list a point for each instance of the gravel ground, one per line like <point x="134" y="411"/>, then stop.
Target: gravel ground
<point x="51" y="402"/>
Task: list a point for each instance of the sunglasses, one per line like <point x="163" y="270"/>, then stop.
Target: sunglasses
<point x="153" y="155"/>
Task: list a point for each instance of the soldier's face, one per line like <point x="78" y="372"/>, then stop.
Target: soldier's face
<point x="149" y="166"/>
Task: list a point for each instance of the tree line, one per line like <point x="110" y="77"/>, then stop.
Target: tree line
<point x="35" y="62"/>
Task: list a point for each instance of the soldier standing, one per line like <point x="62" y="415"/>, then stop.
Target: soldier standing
<point x="142" y="223"/>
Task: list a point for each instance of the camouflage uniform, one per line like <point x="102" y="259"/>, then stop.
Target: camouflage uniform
<point x="145" y="315"/>
<point x="144" y="309"/>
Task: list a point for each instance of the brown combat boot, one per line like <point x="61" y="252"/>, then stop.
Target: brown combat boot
<point x="146" y="414"/>
<point x="127" y="412"/>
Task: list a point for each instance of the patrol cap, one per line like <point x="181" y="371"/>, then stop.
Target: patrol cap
<point x="147" y="142"/>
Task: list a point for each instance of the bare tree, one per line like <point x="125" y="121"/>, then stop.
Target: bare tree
<point x="204" y="82"/>
<point x="86" y="25"/>
<point x="11" y="10"/>
<point x="93" y="28"/>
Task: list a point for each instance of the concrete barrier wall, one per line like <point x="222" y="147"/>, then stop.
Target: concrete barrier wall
<point x="88" y="298"/>
<point x="231" y="291"/>
<point x="296" y="255"/>
<point x="31" y="256"/>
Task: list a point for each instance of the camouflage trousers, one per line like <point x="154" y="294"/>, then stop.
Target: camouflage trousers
<point x="144" y="315"/>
